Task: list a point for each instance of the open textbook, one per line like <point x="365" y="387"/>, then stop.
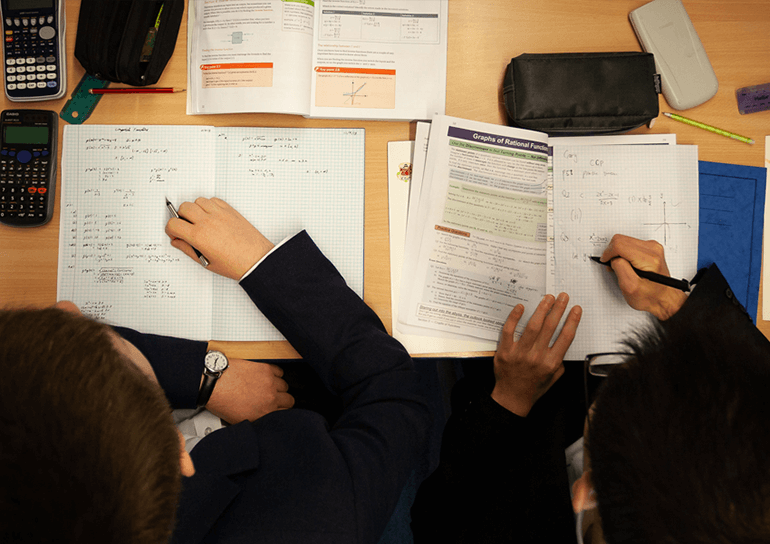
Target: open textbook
<point x="363" y="59"/>
<point x="479" y="239"/>
<point x="115" y="260"/>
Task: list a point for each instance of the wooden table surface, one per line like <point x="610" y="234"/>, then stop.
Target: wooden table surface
<point x="483" y="36"/>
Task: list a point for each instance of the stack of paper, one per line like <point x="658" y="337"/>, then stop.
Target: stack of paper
<point x="500" y="216"/>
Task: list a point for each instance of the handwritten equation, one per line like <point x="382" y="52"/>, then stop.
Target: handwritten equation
<point x="601" y="190"/>
<point x="115" y="257"/>
<point x="116" y="260"/>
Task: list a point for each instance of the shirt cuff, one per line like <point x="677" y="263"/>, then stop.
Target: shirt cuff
<point x="253" y="268"/>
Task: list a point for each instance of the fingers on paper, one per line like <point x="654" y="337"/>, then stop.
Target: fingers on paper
<point x="184" y="247"/>
<point x="568" y="331"/>
<point x="628" y="281"/>
<point x="178" y="228"/>
<point x="545" y="322"/>
<point x="207" y="205"/>
<point x="180" y="231"/>
<point x="552" y="320"/>
<point x="192" y="211"/>
<point x="509" y="327"/>
<point x="643" y="254"/>
<point x="184" y="230"/>
<point x="622" y="246"/>
<point x="534" y="328"/>
<point x="551" y="324"/>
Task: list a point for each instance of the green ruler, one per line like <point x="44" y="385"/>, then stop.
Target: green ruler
<point x="80" y="105"/>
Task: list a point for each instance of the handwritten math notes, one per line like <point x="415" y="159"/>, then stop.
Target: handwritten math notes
<point x="648" y="192"/>
<point x="115" y="260"/>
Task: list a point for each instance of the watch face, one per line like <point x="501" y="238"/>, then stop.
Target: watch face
<point x="216" y="361"/>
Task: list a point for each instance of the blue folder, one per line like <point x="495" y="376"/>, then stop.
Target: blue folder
<point x="732" y="208"/>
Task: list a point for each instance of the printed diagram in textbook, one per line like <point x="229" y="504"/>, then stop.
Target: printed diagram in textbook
<point x="346" y="86"/>
<point x="352" y="95"/>
<point x="339" y="87"/>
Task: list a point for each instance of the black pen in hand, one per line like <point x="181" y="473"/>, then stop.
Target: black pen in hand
<point x="682" y="285"/>
<point x="204" y="261"/>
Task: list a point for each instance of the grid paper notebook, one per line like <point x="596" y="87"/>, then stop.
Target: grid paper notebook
<point x="644" y="191"/>
<point x="115" y="260"/>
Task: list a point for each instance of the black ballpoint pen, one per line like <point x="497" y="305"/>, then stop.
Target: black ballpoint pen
<point x="204" y="261"/>
<point x="682" y="285"/>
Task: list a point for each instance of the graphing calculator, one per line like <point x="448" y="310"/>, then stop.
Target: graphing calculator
<point x="34" y="64"/>
<point x="27" y="167"/>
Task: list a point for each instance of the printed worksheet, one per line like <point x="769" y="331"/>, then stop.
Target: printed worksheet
<point x="406" y="161"/>
<point x="502" y="216"/>
<point x="480" y="229"/>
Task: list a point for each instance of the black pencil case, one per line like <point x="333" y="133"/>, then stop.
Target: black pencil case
<point x="127" y="41"/>
<point x="575" y="94"/>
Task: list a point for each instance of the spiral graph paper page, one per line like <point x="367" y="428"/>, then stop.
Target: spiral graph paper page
<point x="647" y="192"/>
<point x="285" y="180"/>
<point x="115" y="261"/>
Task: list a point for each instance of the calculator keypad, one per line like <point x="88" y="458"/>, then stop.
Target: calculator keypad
<point x="31" y="56"/>
<point x="24" y="187"/>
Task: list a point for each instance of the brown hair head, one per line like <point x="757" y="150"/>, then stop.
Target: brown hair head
<point x="88" y="447"/>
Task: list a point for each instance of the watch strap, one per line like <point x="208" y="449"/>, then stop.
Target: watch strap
<point x="207" y="387"/>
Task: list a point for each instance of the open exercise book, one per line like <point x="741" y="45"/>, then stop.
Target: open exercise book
<point x="362" y="59"/>
<point x="483" y="239"/>
<point x="115" y="260"/>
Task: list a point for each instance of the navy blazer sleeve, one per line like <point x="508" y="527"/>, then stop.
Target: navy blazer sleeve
<point x="383" y="429"/>
<point x="178" y="364"/>
<point x="287" y="476"/>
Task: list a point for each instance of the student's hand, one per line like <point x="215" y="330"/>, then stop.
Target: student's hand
<point x="659" y="300"/>
<point x="249" y="390"/>
<point x="230" y="243"/>
<point x="527" y="368"/>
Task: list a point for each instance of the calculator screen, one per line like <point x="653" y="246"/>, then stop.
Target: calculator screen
<point x="29" y="4"/>
<point x="26" y="135"/>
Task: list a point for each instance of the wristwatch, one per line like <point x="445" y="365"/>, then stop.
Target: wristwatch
<point x="214" y="365"/>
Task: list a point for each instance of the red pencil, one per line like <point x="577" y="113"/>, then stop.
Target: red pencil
<point x="136" y="90"/>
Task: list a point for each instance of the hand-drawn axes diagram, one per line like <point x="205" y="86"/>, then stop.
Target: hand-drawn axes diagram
<point x="596" y="199"/>
<point x="668" y="224"/>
